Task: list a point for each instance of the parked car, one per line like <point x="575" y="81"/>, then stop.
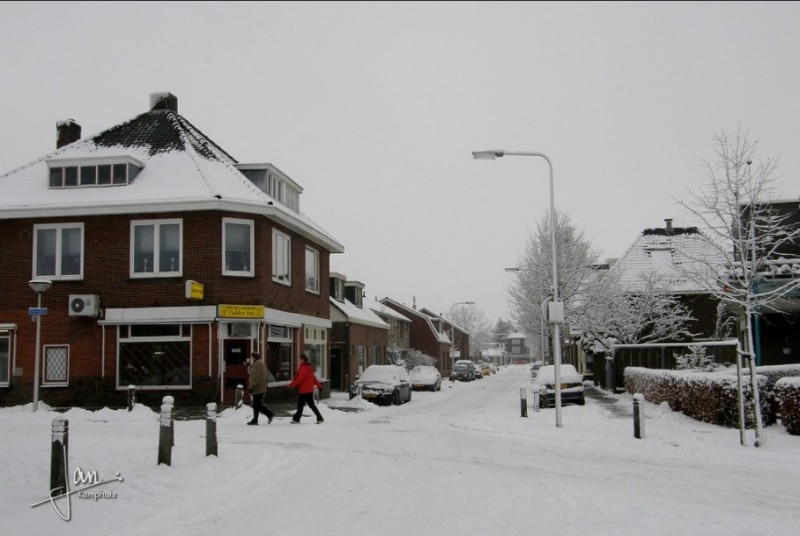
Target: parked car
<point x="535" y="368"/>
<point x="383" y="384"/>
<point x="492" y="368"/>
<point x="425" y="377"/>
<point x="478" y="372"/>
<point x="571" y="385"/>
<point x="486" y="369"/>
<point x="463" y="371"/>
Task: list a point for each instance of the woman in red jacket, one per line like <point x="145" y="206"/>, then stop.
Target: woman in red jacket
<point x="305" y="380"/>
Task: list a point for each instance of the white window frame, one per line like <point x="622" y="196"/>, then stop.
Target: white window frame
<point x="250" y="272"/>
<point x="7" y="335"/>
<point x="312" y="272"/>
<point x="156" y="225"/>
<point x="281" y="258"/>
<point x="46" y="356"/>
<point x="59" y="228"/>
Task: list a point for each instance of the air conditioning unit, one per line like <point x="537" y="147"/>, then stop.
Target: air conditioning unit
<point x="84" y="305"/>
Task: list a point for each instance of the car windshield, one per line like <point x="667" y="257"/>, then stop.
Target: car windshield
<point x="461" y="366"/>
<point x="377" y="373"/>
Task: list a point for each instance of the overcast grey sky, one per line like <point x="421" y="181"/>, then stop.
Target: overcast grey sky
<point x="375" y="107"/>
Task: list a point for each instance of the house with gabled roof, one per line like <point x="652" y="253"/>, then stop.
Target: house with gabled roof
<point x="168" y="263"/>
<point x="359" y="337"/>
<point x="399" y="328"/>
<point x="426" y="335"/>
<point x="459" y="337"/>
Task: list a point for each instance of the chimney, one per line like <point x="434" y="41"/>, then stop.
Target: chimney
<point x="669" y="230"/>
<point x="67" y="131"/>
<point x="163" y="101"/>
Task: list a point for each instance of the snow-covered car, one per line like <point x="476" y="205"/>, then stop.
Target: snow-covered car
<point x="425" y="377"/>
<point x="485" y="368"/>
<point x="383" y="384"/>
<point x="535" y="368"/>
<point x="463" y="370"/>
<point x="571" y="385"/>
<point x="478" y="371"/>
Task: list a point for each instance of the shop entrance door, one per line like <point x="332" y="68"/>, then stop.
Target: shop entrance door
<point x="236" y="352"/>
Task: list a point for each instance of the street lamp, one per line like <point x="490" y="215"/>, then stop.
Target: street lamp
<point x="541" y="315"/>
<point x="556" y="308"/>
<point x="39" y="286"/>
<point x="453" y="332"/>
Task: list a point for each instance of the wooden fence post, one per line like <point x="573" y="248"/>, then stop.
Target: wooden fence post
<point x="211" y="429"/>
<point x="58" y="456"/>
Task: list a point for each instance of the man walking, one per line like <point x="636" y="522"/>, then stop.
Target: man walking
<point x="258" y="389"/>
<point x="305" y="380"/>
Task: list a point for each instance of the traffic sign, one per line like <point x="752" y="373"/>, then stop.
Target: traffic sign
<point x="37" y="311"/>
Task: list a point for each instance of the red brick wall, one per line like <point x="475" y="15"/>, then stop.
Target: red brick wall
<point x="106" y="273"/>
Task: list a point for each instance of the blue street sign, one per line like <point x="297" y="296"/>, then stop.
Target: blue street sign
<point x="37" y="311"/>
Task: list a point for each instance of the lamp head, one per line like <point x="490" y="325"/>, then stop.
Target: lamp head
<point x="39" y="285"/>
<point x="488" y="155"/>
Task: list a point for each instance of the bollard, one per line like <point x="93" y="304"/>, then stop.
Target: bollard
<point x="536" y="398"/>
<point x="638" y="416"/>
<point x="543" y="397"/>
<point x="211" y="429"/>
<point x="164" y="441"/>
<point x="171" y="402"/>
<point x="131" y="397"/>
<point x="239" y="396"/>
<point x="58" y="457"/>
<point x="523" y="401"/>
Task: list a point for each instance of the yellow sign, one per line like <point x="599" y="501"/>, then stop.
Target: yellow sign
<point x="240" y="311"/>
<point x="194" y="290"/>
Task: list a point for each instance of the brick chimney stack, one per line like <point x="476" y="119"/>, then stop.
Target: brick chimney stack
<point x="67" y="131"/>
<point x="163" y="101"/>
<point x="669" y="229"/>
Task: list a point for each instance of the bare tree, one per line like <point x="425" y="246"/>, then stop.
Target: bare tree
<point x="650" y="313"/>
<point x="753" y="240"/>
<point x="533" y="282"/>
<point x="473" y="320"/>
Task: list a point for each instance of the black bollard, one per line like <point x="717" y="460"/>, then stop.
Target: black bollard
<point x="523" y="401"/>
<point x="638" y="416"/>
<point x="171" y="402"/>
<point x="164" y="441"/>
<point x="211" y="429"/>
<point x="131" y="397"/>
<point x="58" y="456"/>
<point x="239" y="396"/>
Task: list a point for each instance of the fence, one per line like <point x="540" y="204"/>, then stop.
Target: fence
<point x="609" y="372"/>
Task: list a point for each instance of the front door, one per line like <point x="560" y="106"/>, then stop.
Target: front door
<point x="336" y="369"/>
<point x="236" y="352"/>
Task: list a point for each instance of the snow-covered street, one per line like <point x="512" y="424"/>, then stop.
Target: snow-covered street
<point x="459" y="461"/>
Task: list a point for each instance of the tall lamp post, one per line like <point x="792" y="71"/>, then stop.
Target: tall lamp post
<point x="453" y="331"/>
<point x="555" y="307"/>
<point x="39" y="286"/>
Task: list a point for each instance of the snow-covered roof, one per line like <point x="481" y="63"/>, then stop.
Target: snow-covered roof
<point x="381" y="309"/>
<point x="670" y="254"/>
<point x="357" y="315"/>
<point x="441" y="337"/>
<point x="183" y="171"/>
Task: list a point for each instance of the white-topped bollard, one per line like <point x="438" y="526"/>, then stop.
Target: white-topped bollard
<point x="523" y="400"/>
<point x="638" y="416"/>
<point x="211" y="429"/>
<point x="239" y="396"/>
<point x="164" y="441"/>
<point x="58" y="456"/>
<point x="131" y="397"/>
<point x="171" y="402"/>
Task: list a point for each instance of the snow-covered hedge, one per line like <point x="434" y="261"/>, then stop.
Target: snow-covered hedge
<point x="706" y="396"/>
<point x="788" y="392"/>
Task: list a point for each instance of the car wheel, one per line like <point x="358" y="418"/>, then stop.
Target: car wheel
<point x="582" y="401"/>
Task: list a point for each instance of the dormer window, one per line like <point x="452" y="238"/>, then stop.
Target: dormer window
<point x="79" y="173"/>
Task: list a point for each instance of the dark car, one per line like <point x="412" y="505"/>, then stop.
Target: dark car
<point x="571" y="385"/>
<point x="383" y="384"/>
<point x="463" y="371"/>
